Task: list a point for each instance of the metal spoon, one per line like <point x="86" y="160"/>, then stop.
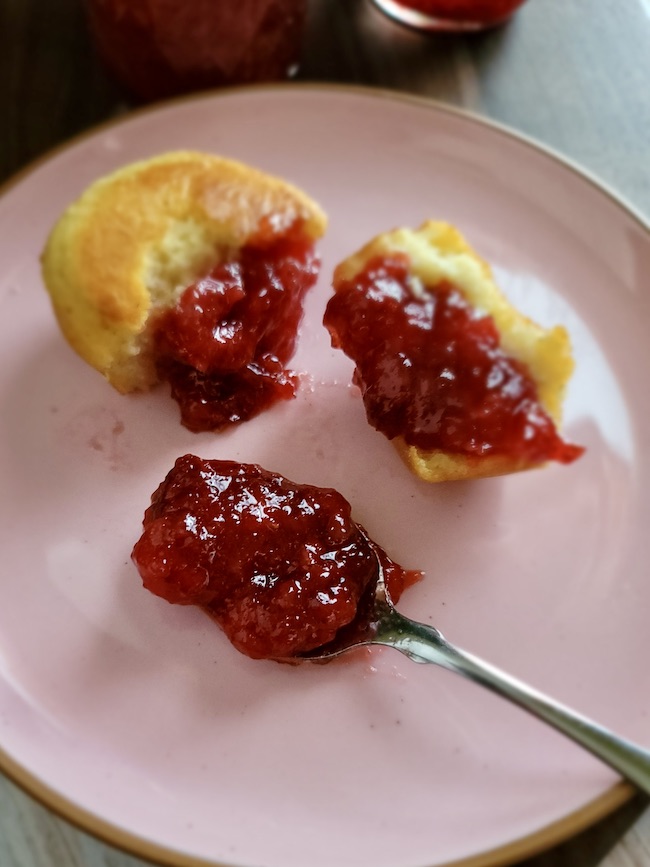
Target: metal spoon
<point x="378" y="622"/>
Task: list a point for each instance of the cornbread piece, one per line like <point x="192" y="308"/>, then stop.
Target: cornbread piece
<point x="462" y="383"/>
<point x="165" y="256"/>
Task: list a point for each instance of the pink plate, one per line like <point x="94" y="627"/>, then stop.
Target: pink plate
<point x="137" y="719"/>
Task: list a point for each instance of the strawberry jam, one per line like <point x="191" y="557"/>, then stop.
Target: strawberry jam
<point x="431" y="369"/>
<point x="484" y="12"/>
<point x="281" y="567"/>
<point x="224" y="346"/>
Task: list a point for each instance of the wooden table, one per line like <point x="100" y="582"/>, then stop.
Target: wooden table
<point x="574" y="74"/>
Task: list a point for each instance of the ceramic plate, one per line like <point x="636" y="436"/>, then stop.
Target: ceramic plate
<point x="137" y="719"/>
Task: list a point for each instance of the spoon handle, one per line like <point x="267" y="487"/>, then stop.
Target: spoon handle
<point x="423" y="643"/>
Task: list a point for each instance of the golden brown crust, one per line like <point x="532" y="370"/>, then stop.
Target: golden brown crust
<point x="440" y="466"/>
<point x="437" y="251"/>
<point x="138" y="236"/>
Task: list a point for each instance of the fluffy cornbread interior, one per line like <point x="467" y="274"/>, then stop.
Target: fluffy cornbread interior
<point x="438" y="252"/>
<point x="138" y="237"/>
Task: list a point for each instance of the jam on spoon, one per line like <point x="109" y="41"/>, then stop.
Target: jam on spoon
<point x="281" y="567"/>
<point x="290" y="576"/>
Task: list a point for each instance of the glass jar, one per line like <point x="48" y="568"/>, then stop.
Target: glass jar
<point x="161" y="48"/>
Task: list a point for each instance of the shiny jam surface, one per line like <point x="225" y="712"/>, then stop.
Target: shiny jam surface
<point x="160" y="48"/>
<point x="430" y="369"/>
<point x="224" y="346"/>
<point x="280" y="566"/>
<point x="475" y="11"/>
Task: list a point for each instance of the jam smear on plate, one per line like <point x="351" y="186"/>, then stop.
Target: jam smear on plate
<point x="281" y="567"/>
<point x="224" y="346"/>
<point x="431" y="369"/>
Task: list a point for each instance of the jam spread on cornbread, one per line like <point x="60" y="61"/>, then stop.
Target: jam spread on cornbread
<point x="224" y="346"/>
<point x="280" y="566"/>
<point x="431" y="369"/>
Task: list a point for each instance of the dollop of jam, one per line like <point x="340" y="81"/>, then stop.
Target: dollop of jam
<point x="224" y="346"/>
<point x="431" y="369"/>
<point x="281" y="567"/>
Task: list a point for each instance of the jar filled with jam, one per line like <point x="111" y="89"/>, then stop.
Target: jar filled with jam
<point x="449" y="15"/>
<point x="161" y="48"/>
